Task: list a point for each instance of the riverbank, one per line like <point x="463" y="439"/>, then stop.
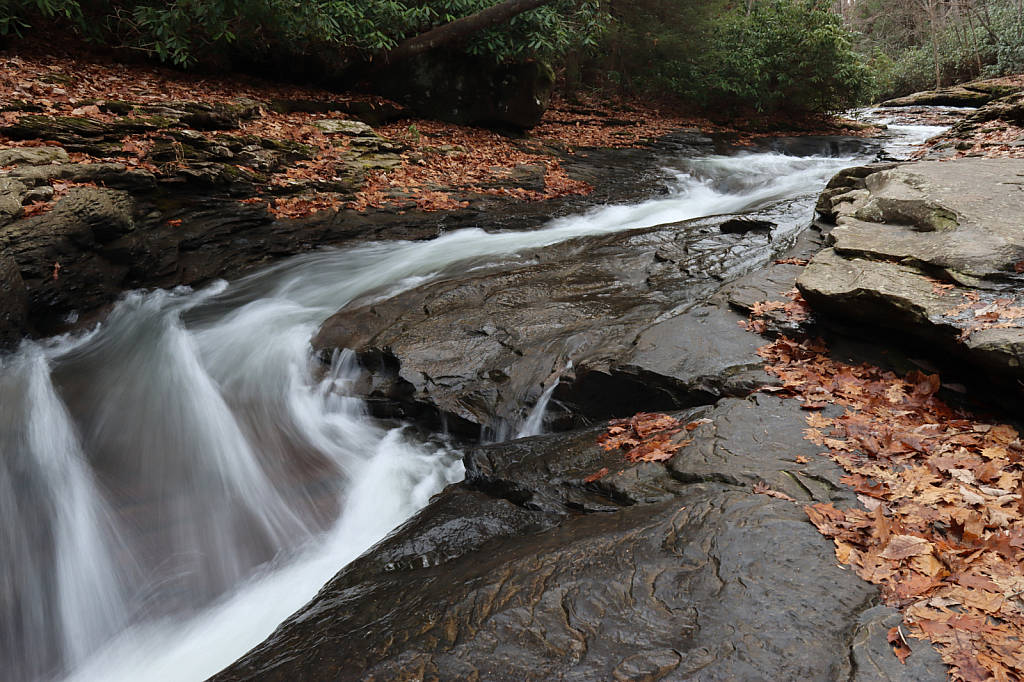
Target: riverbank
<point x="199" y="177"/>
<point x="703" y="498"/>
<point x="681" y="549"/>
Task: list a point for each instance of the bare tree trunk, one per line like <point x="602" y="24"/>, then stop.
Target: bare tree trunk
<point x="935" y="42"/>
<point x="459" y="28"/>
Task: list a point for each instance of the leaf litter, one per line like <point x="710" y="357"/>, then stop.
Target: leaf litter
<point x="942" y="529"/>
<point x="440" y="164"/>
<point x="647" y="436"/>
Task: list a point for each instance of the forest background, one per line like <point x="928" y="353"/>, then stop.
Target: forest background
<point x="712" y="55"/>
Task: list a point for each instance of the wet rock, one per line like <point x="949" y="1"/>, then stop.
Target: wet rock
<point x="744" y="225"/>
<point x="874" y="661"/>
<point x="671" y="578"/>
<point x="693" y="358"/>
<point x="56" y="252"/>
<point x="13" y="303"/>
<point x="476" y="348"/>
<point x="955" y="221"/>
<point x="759" y="439"/>
<point x="522" y="176"/>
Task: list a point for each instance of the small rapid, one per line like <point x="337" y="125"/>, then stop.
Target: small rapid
<point x="179" y="480"/>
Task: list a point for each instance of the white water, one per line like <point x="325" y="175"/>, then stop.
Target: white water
<point x="534" y="423"/>
<point x="180" y="480"/>
<point x="903" y="139"/>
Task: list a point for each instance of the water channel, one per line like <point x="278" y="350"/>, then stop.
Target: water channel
<point x="180" y="479"/>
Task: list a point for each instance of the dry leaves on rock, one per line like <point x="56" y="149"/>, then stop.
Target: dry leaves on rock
<point x="943" y="532"/>
<point x="977" y="310"/>
<point x="796" y="311"/>
<point x="762" y="488"/>
<point x="647" y="436"/>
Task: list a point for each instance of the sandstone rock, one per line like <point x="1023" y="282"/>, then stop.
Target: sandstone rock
<point x="949" y="97"/>
<point x="348" y="128"/>
<point x="650" y="572"/>
<point x="955" y="221"/>
<point x="32" y="156"/>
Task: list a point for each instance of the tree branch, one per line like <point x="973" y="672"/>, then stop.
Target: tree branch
<point x="454" y="30"/>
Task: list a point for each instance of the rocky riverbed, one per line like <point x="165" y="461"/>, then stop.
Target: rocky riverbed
<point x="557" y="558"/>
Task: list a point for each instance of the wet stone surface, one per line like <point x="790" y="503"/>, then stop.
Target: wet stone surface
<point x="915" y="242"/>
<point x="477" y="348"/>
<point x="652" y="572"/>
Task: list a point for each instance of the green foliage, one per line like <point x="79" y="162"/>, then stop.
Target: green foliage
<point x="781" y="55"/>
<point x="14" y="13"/>
<point x="981" y="38"/>
<point x="544" y="33"/>
<point x="187" y="31"/>
<point x="1008" y="24"/>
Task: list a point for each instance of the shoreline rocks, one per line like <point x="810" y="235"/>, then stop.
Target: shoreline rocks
<point x="934" y="250"/>
<point x="187" y="226"/>
<point x="533" y="569"/>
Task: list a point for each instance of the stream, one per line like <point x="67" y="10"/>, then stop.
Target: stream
<point x="177" y="481"/>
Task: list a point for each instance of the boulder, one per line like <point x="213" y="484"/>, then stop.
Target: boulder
<point x="468" y="90"/>
<point x="957" y="96"/>
<point x="923" y="248"/>
<point x="477" y="348"/>
<point x="538" y="567"/>
<point x="32" y="156"/>
<point x="13" y="303"/>
<point x="57" y="252"/>
<point x="348" y="128"/>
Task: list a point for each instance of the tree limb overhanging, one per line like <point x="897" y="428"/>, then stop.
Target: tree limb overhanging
<point x="454" y="30"/>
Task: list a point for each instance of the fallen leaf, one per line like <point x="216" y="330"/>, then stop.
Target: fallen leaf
<point x="900" y="648"/>
<point x="906" y="546"/>
<point x="762" y="488"/>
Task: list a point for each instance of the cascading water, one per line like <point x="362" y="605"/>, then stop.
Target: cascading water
<point x="179" y="480"/>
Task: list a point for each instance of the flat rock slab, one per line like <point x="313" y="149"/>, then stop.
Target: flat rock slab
<point x="683" y="574"/>
<point x="476" y="348"/>
<point x="924" y="248"/>
<point x="950" y="97"/>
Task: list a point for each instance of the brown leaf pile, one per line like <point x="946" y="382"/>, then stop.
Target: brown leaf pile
<point x="942" y="531"/>
<point x="978" y="310"/>
<point x="797" y="310"/>
<point x="646" y="437"/>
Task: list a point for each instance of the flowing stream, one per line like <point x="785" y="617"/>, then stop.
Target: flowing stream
<point x="179" y="480"/>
